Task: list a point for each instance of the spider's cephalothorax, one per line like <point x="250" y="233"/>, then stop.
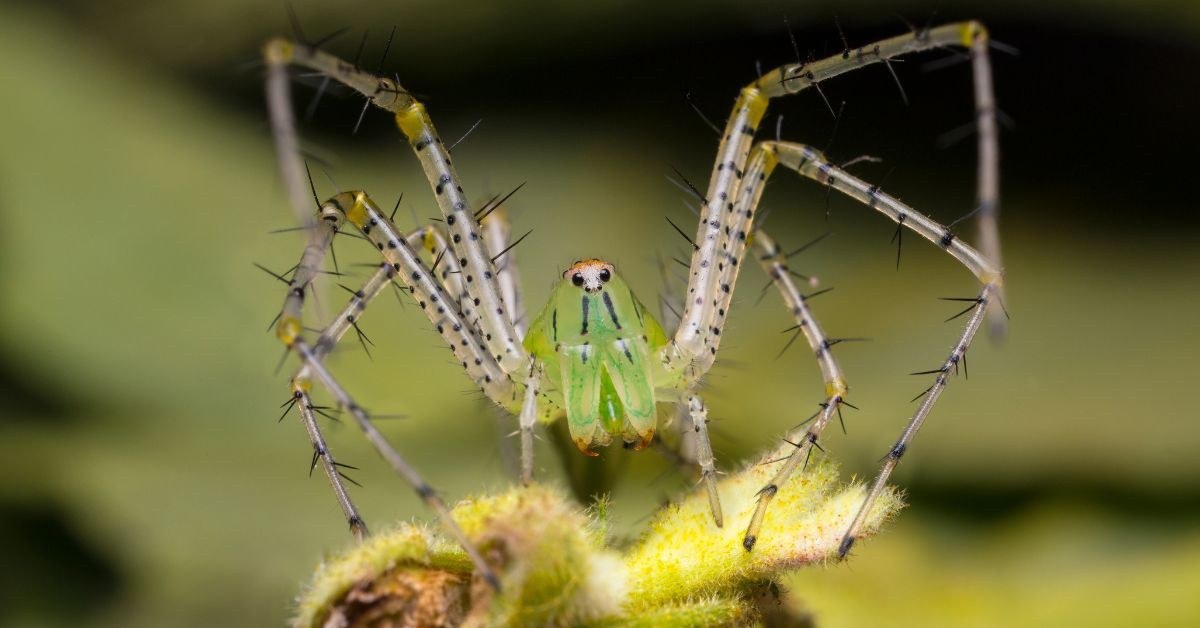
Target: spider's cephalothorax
<point x="598" y="341"/>
<point x="595" y="354"/>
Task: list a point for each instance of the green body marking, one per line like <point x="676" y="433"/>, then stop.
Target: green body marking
<point x="600" y="340"/>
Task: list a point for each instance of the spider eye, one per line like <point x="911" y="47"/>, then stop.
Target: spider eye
<point x="605" y="275"/>
<point x="577" y="279"/>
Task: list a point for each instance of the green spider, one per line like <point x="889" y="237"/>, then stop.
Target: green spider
<point x="601" y="341"/>
<point x="595" y="354"/>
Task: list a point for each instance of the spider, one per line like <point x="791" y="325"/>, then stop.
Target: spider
<point x="595" y="354"/>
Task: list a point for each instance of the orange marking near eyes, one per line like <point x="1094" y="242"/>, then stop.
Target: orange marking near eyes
<point x="587" y="264"/>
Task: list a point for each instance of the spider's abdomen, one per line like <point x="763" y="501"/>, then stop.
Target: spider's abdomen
<point x="597" y="340"/>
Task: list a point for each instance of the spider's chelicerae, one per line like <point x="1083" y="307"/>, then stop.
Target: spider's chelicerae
<point x="595" y="354"/>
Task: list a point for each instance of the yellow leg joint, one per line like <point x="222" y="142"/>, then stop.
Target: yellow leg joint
<point x="357" y="212"/>
<point x="972" y="32"/>
<point x="413" y="121"/>
<point x="288" y="330"/>
<point x="754" y="102"/>
<point x="277" y="51"/>
<point x="836" y="388"/>
<point x="770" y="160"/>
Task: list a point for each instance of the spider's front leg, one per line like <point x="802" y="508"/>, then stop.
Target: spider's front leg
<point x="695" y="334"/>
<point x="486" y="316"/>
<point x="485" y="308"/>
<point x="739" y="222"/>
<point x="736" y="184"/>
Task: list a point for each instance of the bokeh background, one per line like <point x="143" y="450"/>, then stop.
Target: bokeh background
<point x="145" y="480"/>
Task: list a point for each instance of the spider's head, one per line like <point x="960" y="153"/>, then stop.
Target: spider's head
<point x="589" y="275"/>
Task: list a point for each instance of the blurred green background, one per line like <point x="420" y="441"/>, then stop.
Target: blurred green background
<point x="145" y="481"/>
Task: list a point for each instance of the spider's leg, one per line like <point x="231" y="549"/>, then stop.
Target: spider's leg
<point x="480" y="299"/>
<point x="704" y="456"/>
<point x="988" y="294"/>
<point x="527" y="419"/>
<point x="485" y="309"/>
<point x="442" y="261"/>
<point x="670" y="305"/>
<point x="289" y="331"/>
<point x="810" y="163"/>
<point x="428" y="237"/>
<point x="718" y="246"/>
<point x="464" y="340"/>
<point x="287" y="141"/>
<point x="695" y="336"/>
<point x="738" y="223"/>
<point x="439" y="306"/>
<point x="496" y="236"/>
<point x="322" y="453"/>
<point x="988" y="177"/>
<point x="798" y="445"/>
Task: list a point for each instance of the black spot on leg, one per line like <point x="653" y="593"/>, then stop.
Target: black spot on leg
<point x="897" y="451"/>
<point x="947" y="238"/>
<point x="583" y="330"/>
